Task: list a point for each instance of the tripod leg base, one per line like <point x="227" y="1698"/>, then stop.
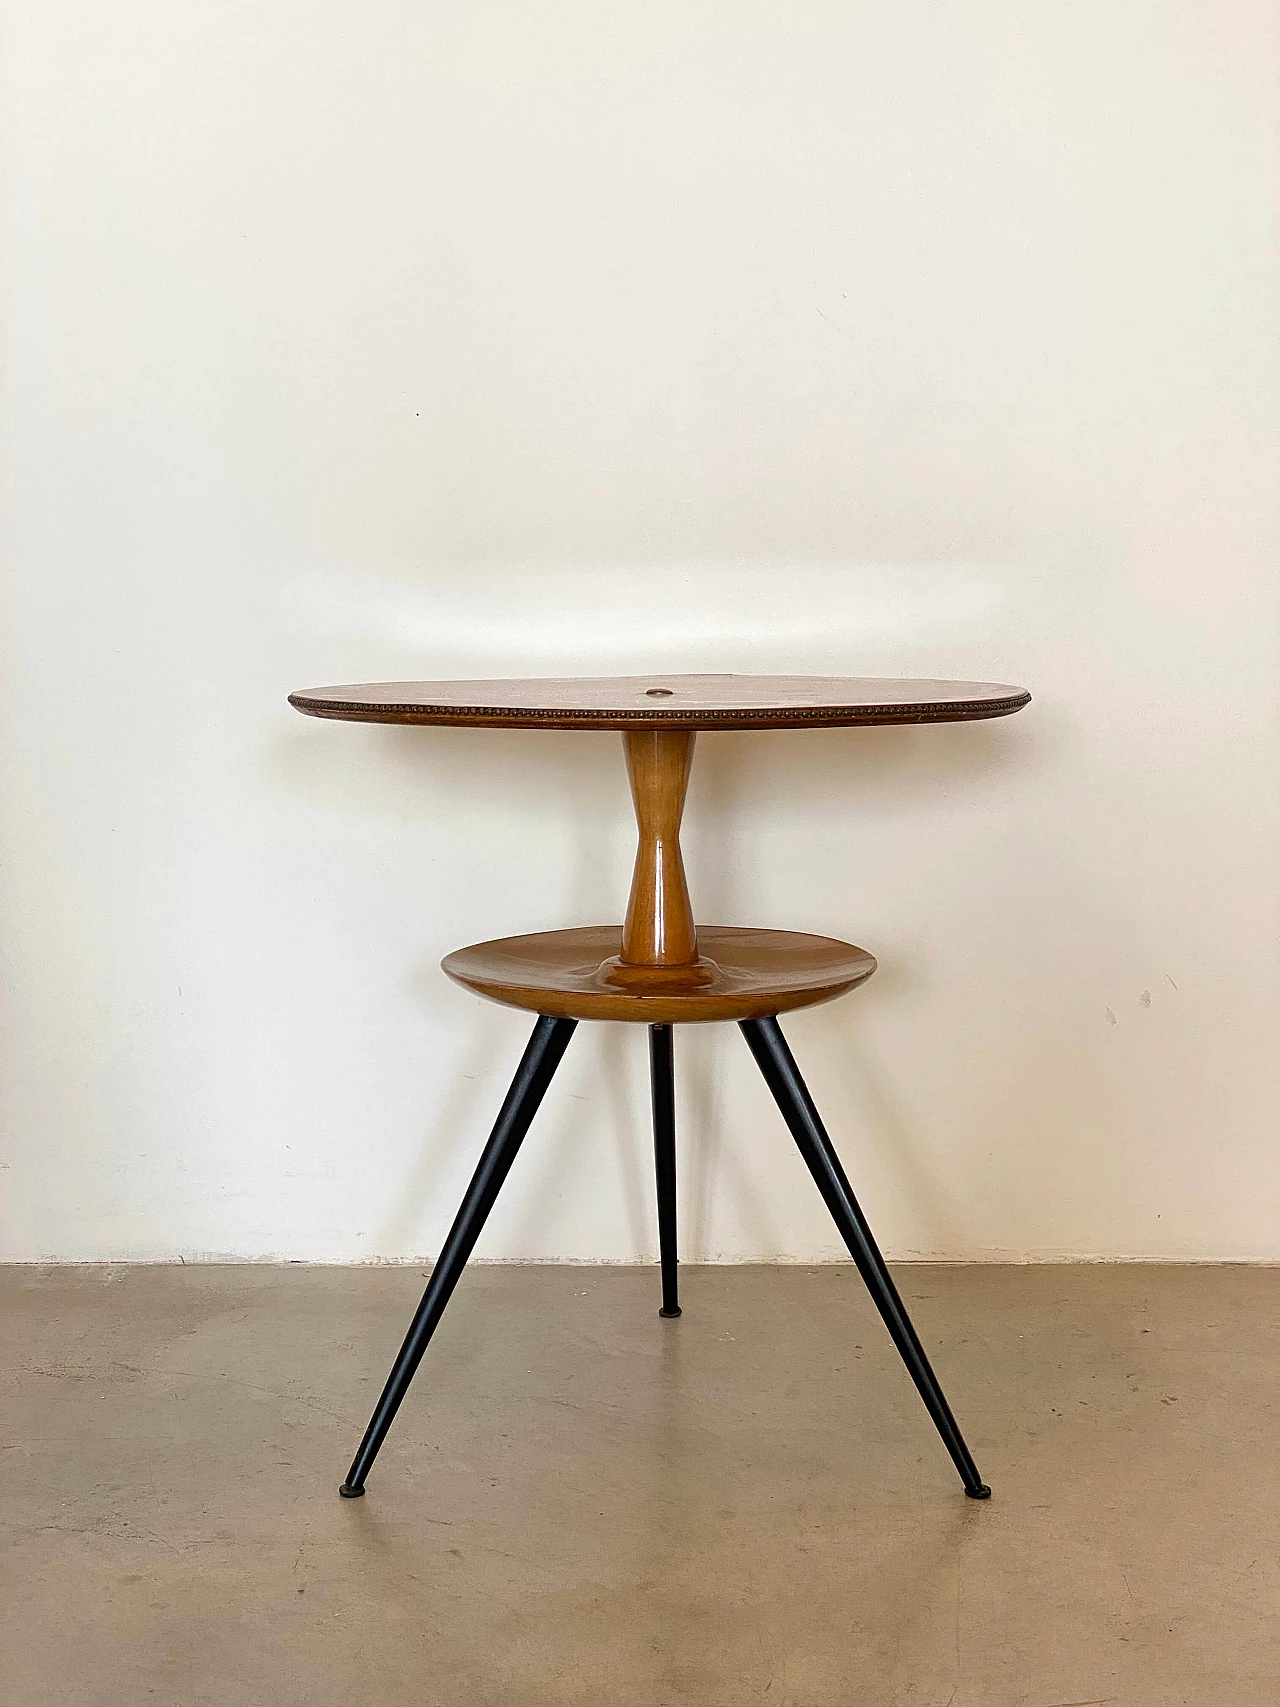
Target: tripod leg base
<point x="662" y="1081"/>
<point x="777" y="1064"/>
<point x="670" y="1315"/>
<point x="541" y="1058"/>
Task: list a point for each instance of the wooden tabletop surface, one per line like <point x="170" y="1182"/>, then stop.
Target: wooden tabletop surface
<point x="679" y="702"/>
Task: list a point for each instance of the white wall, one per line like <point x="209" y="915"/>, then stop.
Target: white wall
<point x="356" y="341"/>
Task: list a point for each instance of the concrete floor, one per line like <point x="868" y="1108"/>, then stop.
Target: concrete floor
<point x="581" y="1503"/>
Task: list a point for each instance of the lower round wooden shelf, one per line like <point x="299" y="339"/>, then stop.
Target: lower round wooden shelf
<point x="755" y="974"/>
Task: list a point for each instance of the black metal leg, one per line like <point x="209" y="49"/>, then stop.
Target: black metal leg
<point x="775" y="1060"/>
<point x="541" y="1058"/>
<point x="661" y="1078"/>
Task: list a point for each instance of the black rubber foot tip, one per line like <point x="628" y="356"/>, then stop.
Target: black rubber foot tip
<point x="350" y="1493"/>
<point x="670" y="1315"/>
<point x="981" y="1492"/>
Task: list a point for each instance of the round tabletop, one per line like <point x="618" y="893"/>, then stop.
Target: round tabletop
<point x="674" y="701"/>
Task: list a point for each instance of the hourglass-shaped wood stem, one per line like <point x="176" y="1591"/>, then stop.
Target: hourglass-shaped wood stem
<point x="659" y="939"/>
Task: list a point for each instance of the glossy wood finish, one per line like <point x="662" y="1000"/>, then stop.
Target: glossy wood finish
<point x="659" y="940"/>
<point x="683" y="702"/>
<point x="653" y="969"/>
<point x="658" y="969"/>
<point x="754" y="974"/>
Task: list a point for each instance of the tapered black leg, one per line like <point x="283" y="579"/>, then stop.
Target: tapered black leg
<point x="662" y="1080"/>
<point x="775" y="1060"/>
<point x="541" y="1058"/>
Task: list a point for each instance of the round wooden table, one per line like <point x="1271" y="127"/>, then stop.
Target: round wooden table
<point x="658" y="967"/>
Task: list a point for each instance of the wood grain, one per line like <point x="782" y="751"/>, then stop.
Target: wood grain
<point x="675" y="701"/>
<point x="754" y="973"/>
<point x="658" y="933"/>
<point x="659" y="968"/>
